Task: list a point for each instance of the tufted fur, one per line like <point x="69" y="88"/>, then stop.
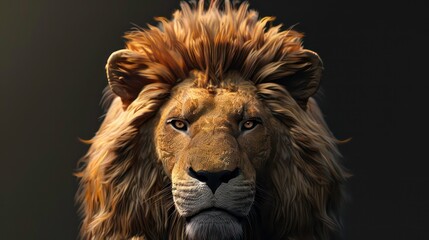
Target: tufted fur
<point x="125" y="189"/>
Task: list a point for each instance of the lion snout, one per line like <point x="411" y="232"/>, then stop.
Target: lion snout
<point x="214" y="179"/>
<point x="227" y="190"/>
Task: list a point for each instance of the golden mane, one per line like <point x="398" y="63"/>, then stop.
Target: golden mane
<point x="214" y="42"/>
<point x="124" y="192"/>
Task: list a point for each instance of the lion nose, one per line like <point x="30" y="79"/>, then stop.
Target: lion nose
<point x="214" y="179"/>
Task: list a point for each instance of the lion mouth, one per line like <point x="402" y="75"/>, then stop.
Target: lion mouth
<point x="214" y="223"/>
<point x="214" y="211"/>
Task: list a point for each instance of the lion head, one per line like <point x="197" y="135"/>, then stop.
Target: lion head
<point x="212" y="134"/>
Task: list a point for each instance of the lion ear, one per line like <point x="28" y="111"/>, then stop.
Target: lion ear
<point x="123" y="71"/>
<point x="305" y="69"/>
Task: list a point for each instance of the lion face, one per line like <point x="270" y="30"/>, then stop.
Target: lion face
<point x="212" y="143"/>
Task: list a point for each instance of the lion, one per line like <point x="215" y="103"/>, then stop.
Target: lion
<point x="212" y="133"/>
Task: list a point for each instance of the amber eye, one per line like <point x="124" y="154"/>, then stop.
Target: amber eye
<point x="249" y="124"/>
<point x="180" y="125"/>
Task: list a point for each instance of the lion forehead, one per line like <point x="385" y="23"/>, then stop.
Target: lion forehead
<point x="225" y="103"/>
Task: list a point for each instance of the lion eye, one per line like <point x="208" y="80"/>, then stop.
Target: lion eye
<point x="178" y="124"/>
<point x="249" y="124"/>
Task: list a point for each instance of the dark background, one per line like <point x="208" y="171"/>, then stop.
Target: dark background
<point x="52" y="76"/>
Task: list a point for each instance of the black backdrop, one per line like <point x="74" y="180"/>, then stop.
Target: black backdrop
<point x="52" y="75"/>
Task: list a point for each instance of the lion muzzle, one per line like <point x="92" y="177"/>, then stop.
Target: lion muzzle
<point x="213" y="179"/>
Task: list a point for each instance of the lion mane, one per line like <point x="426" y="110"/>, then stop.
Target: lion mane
<point x="125" y="187"/>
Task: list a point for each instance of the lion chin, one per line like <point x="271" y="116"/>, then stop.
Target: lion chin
<point x="213" y="224"/>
